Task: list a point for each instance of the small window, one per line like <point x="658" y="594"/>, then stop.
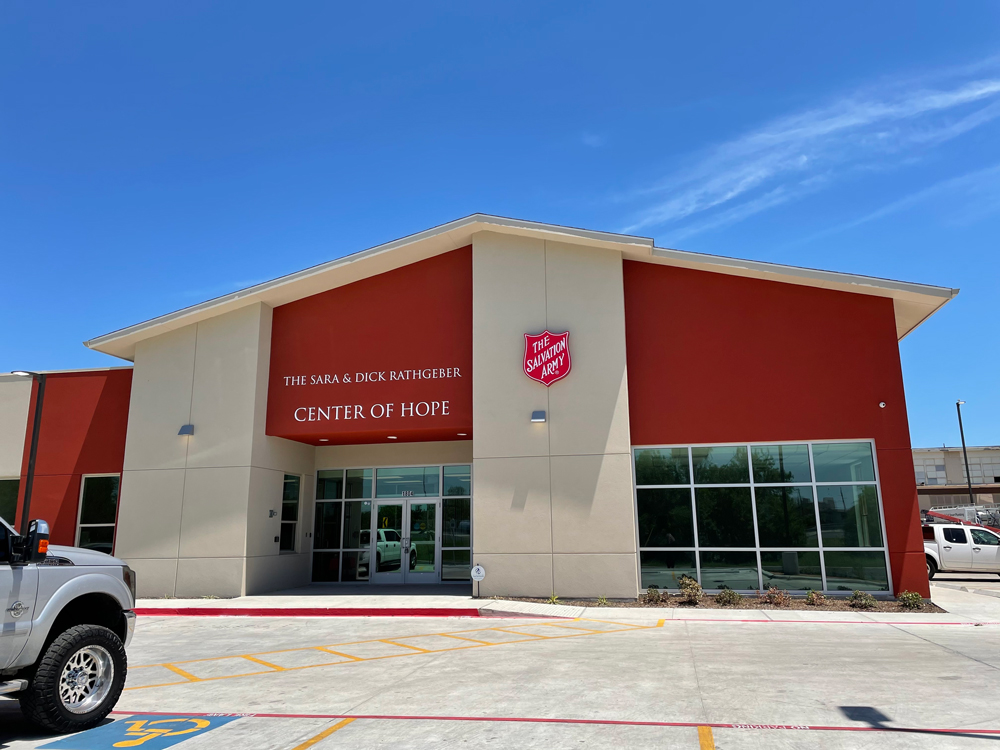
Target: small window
<point x="984" y="537"/>
<point x="928" y="533"/>
<point x="955" y="536"/>
<point x="98" y="509"/>
<point x="8" y="499"/>
<point x="289" y="513"/>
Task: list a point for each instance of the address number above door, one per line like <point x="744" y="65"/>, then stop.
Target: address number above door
<point x="546" y="356"/>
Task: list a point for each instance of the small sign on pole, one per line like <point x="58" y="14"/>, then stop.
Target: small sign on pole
<point x="478" y="573"/>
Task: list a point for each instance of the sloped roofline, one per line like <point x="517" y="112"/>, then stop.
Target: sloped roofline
<point x="919" y="300"/>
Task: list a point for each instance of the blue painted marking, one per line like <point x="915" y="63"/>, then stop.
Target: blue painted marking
<point x="142" y="731"/>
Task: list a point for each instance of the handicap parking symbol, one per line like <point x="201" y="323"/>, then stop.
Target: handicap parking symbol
<point x="147" y="732"/>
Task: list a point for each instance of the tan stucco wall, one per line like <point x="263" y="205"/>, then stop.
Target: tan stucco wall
<point x="194" y="511"/>
<point x="553" y="502"/>
<point x="15" y="398"/>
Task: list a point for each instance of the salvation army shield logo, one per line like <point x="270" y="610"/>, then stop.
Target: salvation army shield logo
<point x="546" y="356"/>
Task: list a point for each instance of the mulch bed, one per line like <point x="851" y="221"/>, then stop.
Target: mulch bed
<point x="837" y="604"/>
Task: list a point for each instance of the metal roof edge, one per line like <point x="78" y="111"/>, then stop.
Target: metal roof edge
<point x="466" y="222"/>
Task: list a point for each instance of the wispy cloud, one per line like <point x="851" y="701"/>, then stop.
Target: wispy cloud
<point x="796" y="155"/>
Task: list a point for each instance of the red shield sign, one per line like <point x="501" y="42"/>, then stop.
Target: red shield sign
<point x="546" y="356"/>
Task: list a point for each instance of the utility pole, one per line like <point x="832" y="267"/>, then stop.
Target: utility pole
<point x="965" y="454"/>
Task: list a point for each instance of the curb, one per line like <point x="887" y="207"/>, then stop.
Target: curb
<point x="305" y="612"/>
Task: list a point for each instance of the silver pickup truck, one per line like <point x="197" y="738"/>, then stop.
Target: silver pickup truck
<point x="67" y="618"/>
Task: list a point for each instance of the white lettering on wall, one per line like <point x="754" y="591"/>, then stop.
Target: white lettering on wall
<point x="339" y="412"/>
<point x="375" y="376"/>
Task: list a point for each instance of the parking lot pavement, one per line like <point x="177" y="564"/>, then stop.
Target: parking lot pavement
<point x="296" y="683"/>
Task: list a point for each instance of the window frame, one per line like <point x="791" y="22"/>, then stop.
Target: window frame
<point x="79" y="509"/>
<point x="697" y="549"/>
<point x="298" y="515"/>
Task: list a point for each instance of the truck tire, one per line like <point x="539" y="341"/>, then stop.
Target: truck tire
<point x="78" y="680"/>
<point x="931" y="568"/>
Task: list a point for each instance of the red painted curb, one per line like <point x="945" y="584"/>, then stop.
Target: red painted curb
<point x="969" y="731"/>
<point x="305" y="612"/>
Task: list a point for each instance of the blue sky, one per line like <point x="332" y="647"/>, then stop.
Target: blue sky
<point x="157" y="154"/>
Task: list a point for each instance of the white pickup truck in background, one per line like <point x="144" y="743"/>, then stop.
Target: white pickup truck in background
<point x="957" y="548"/>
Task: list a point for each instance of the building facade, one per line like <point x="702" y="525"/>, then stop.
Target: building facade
<point x="942" y="480"/>
<point x="580" y="413"/>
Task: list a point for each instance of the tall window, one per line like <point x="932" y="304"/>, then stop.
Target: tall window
<point x="456" y="523"/>
<point x="98" y="509"/>
<point x="8" y="499"/>
<point x="289" y="512"/>
<point x="793" y="516"/>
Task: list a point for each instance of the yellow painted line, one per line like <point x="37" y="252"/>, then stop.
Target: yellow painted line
<point x="460" y="638"/>
<point x="403" y="645"/>
<point x="659" y="623"/>
<point x="705" y="739"/>
<point x="339" y="653"/>
<point x="255" y="660"/>
<point x="181" y="672"/>
<point x="573" y="627"/>
<point x="526" y="635"/>
<point x="323" y="735"/>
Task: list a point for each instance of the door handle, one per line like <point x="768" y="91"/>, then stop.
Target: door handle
<point x="977" y="549"/>
<point x="947" y="547"/>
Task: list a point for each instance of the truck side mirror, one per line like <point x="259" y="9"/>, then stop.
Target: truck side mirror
<point x="37" y="542"/>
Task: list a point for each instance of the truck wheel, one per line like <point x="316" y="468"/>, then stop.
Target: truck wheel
<point x="78" y="680"/>
<point x="931" y="568"/>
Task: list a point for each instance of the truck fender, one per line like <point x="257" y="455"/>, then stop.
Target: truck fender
<point x="933" y="555"/>
<point x="89" y="583"/>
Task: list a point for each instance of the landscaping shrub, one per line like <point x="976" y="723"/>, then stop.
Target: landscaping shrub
<point x="554" y="599"/>
<point x="602" y="601"/>
<point x="728" y="598"/>
<point x="815" y="599"/>
<point x="862" y="600"/>
<point x="910" y="600"/>
<point x="653" y="595"/>
<point x="690" y="590"/>
<point x="775" y="597"/>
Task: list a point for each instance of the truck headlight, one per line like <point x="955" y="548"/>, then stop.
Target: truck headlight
<point x="128" y="575"/>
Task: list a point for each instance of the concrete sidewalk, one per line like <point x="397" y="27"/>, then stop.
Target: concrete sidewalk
<point x="442" y="601"/>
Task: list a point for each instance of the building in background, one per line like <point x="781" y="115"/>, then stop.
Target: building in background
<point x="579" y="412"/>
<point x="942" y="481"/>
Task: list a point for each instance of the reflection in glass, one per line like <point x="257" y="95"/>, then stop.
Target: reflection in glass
<point x="665" y="518"/>
<point x="791" y="571"/>
<point x="726" y="464"/>
<point x="729" y="570"/>
<point x="389" y="538"/>
<point x="326" y="567"/>
<point x="843" y="462"/>
<point x="456" y="522"/>
<point x="355" y="566"/>
<point x="100" y="499"/>
<point x="100" y="538"/>
<point x="780" y="463"/>
<point x="725" y="517"/>
<point x="664" y="569"/>
<point x="330" y="485"/>
<point x="786" y="517"/>
<point x="848" y="516"/>
<point x="423" y="537"/>
<point x="357" y="524"/>
<point x="290" y="499"/>
<point x="358" y="483"/>
<point x="412" y="481"/>
<point x="661" y="466"/>
<point x="326" y="531"/>
<point x="456" y="564"/>
<point x="457" y="480"/>
<point x="849" y="571"/>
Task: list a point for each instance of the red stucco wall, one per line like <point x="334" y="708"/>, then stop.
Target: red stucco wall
<point x="414" y="318"/>
<point x="84" y="418"/>
<point x="715" y="358"/>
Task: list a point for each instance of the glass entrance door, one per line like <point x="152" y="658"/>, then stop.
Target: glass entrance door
<point x="406" y="541"/>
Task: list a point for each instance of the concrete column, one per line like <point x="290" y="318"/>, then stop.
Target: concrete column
<point x="553" y="502"/>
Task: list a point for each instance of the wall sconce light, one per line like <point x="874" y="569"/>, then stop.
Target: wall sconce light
<point x="186" y="429"/>
<point x="538" y="416"/>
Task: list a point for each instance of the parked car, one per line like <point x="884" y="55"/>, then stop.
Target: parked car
<point x="67" y="618"/>
<point x="954" y="548"/>
<point x="388" y="549"/>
